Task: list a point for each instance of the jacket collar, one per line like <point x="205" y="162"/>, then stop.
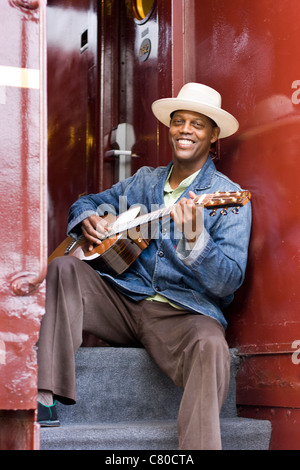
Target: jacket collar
<point x="204" y="179"/>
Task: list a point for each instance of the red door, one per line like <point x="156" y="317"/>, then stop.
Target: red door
<point x="73" y="109"/>
<point x="137" y="70"/>
<point x="103" y="75"/>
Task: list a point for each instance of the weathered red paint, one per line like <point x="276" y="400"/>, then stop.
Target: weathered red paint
<point x="19" y="431"/>
<point x="285" y="424"/>
<point x="23" y="192"/>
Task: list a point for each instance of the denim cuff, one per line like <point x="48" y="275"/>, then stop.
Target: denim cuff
<point x="74" y="226"/>
<point x="189" y="255"/>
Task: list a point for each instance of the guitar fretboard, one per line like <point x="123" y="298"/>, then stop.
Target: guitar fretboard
<point x="214" y="200"/>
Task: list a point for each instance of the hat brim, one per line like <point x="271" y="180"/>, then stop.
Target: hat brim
<point x="162" y="110"/>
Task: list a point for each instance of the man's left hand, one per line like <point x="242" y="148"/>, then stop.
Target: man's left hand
<point x="189" y="218"/>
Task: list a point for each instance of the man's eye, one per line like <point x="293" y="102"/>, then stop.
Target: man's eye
<point x="199" y="125"/>
<point x="177" y="122"/>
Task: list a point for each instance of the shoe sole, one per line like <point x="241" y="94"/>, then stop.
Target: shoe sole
<point x="49" y="424"/>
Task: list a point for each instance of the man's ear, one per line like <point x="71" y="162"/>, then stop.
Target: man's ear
<point x="216" y="133"/>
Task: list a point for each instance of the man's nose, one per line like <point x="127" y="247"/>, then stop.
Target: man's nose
<point x="186" y="127"/>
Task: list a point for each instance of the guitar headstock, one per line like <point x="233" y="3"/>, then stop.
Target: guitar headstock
<point x="223" y="200"/>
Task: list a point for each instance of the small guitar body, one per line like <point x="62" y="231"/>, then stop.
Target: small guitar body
<point x="113" y="256"/>
<point x="127" y="239"/>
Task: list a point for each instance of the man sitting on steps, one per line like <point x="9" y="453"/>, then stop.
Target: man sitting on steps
<point x="170" y="300"/>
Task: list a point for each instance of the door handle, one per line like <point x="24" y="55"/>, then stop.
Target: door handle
<point x="118" y="153"/>
<point x="122" y="140"/>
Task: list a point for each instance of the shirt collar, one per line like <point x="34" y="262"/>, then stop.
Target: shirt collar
<point x="184" y="183"/>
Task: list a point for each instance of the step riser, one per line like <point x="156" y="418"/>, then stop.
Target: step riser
<point x="120" y="384"/>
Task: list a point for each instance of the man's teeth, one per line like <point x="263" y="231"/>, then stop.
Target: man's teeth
<point x="185" y="142"/>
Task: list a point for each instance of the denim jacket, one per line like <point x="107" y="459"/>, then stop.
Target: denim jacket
<point x="201" y="280"/>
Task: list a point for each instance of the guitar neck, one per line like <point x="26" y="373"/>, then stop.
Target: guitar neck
<point x="215" y="201"/>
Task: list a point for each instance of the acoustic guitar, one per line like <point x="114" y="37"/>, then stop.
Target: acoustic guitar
<point x="129" y="235"/>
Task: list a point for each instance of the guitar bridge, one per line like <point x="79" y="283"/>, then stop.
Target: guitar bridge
<point x="70" y="247"/>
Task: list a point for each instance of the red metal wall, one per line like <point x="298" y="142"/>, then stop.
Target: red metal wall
<point x="248" y="51"/>
<point x="23" y="254"/>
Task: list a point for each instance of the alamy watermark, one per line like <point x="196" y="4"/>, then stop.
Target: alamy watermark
<point x="296" y="354"/>
<point x="148" y="222"/>
<point x="296" y="93"/>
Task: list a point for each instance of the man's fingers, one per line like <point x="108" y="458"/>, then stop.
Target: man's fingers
<point x="188" y="217"/>
<point x="94" y="229"/>
<point x="94" y="240"/>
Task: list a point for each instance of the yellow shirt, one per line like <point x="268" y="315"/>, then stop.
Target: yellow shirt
<point x="170" y="197"/>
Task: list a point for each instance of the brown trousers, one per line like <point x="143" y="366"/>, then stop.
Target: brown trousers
<point x="191" y="349"/>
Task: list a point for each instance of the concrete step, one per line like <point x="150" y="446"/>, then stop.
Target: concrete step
<point x="124" y="401"/>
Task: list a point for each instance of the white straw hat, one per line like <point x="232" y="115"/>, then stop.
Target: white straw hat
<point x="200" y="99"/>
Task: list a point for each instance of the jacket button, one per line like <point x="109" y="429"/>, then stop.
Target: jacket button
<point x="161" y="254"/>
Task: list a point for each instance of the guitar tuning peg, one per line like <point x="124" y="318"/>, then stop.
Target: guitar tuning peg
<point x="235" y="210"/>
<point x="224" y="211"/>
<point x="213" y="212"/>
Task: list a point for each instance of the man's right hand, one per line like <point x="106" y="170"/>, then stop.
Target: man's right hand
<point x="95" y="229"/>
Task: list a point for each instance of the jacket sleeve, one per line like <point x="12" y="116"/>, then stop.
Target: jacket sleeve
<point x="113" y="200"/>
<point x="108" y="201"/>
<point x="219" y="259"/>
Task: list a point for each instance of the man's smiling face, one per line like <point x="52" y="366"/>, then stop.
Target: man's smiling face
<point x="191" y="136"/>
